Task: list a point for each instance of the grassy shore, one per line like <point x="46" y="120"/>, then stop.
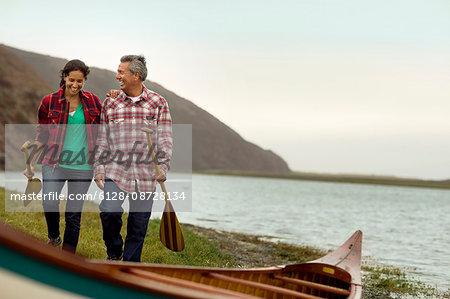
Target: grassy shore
<point x="208" y="247"/>
<point x="338" y="178"/>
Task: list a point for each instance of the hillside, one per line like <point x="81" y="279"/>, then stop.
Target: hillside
<point x="21" y="89"/>
<point x="214" y="144"/>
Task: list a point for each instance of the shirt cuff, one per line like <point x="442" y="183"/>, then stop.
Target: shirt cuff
<point x="99" y="169"/>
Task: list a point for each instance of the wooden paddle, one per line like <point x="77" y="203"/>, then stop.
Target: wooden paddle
<point x="170" y="232"/>
<point x="34" y="185"/>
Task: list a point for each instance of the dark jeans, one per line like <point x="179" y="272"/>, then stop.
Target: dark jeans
<point x="111" y="216"/>
<point x="78" y="182"/>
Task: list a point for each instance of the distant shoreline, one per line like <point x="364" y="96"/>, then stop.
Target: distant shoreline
<point x="332" y="178"/>
<point x="337" y="178"/>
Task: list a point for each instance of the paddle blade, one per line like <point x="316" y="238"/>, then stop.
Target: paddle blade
<point x="170" y="232"/>
<point x="34" y="186"/>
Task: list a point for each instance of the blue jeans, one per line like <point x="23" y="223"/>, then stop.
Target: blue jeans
<point x="78" y="182"/>
<point x="111" y="216"/>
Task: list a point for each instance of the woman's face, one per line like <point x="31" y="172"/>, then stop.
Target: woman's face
<point x="74" y="82"/>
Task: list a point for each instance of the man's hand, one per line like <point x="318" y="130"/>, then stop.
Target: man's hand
<point x="113" y="93"/>
<point x="161" y="178"/>
<point x="29" y="174"/>
<point x="100" y="180"/>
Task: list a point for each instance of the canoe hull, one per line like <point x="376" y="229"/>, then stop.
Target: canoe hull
<point x="337" y="275"/>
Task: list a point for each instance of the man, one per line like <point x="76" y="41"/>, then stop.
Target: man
<point x="120" y="168"/>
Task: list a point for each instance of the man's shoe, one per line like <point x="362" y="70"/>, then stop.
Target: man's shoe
<point x="55" y="242"/>
<point x="114" y="258"/>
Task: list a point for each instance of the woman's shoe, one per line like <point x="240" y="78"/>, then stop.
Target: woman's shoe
<point x="55" y="242"/>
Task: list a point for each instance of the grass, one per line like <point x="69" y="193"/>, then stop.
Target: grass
<point x="199" y="250"/>
<point x="283" y="252"/>
<point x="293" y="254"/>
<point x="391" y="282"/>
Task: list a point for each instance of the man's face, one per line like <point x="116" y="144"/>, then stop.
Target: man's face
<point x="125" y="78"/>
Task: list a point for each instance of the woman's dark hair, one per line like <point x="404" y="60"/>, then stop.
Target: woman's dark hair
<point x="74" y="65"/>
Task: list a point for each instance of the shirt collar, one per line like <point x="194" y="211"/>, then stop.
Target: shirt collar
<point x="123" y="96"/>
<point x="144" y="91"/>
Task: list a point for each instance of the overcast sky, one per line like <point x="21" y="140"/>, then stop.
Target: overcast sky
<point x="337" y="86"/>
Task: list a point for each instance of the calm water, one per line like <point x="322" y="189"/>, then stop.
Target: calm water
<point x="406" y="227"/>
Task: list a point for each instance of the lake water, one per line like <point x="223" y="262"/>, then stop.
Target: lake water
<point x="405" y="227"/>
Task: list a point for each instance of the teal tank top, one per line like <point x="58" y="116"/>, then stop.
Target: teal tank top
<point x="75" y="151"/>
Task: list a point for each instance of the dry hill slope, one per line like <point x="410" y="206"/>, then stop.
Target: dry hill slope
<point x="21" y="89"/>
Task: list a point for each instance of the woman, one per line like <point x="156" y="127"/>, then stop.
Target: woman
<point x="66" y="134"/>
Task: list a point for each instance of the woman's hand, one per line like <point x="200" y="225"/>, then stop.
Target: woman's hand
<point x="100" y="180"/>
<point x="113" y="93"/>
<point x="29" y="174"/>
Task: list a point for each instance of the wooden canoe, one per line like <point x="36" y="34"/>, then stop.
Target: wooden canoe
<point x="336" y="275"/>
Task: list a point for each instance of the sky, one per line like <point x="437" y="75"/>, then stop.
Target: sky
<point x="354" y="86"/>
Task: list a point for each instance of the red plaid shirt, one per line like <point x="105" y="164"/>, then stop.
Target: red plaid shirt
<point x="120" y="138"/>
<point x="53" y="114"/>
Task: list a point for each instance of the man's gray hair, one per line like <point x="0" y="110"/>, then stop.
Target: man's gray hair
<point x="137" y="64"/>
